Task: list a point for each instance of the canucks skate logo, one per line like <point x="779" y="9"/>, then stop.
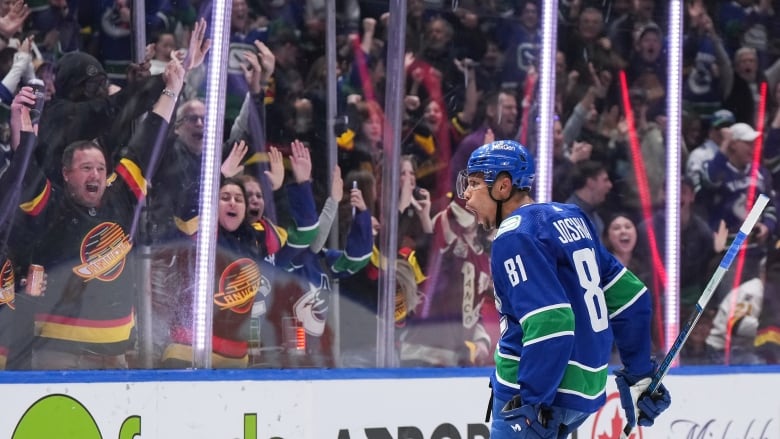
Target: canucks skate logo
<point x="526" y="56"/>
<point x="103" y="252"/>
<point x="312" y="308"/>
<point x="238" y="286"/>
<point x="7" y="284"/>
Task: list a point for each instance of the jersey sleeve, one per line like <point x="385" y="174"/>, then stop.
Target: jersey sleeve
<point x="536" y="309"/>
<point x="36" y="189"/>
<point x="304" y="214"/>
<point x="715" y="171"/>
<point x="305" y="224"/>
<point x="357" y="251"/>
<point x="135" y="166"/>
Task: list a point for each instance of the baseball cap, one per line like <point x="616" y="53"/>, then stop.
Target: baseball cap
<point x="649" y="27"/>
<point x="744" y="132"/>
<point x="722" y="118"/>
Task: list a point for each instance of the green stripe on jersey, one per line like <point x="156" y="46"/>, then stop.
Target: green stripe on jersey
<point x="506" y="370"/>
<point x="546" y="322"/>
<point x="622" y="291"/>
<point x="584" y="381"/>
<point x="301" y="236"/>
<point x="350" y="265"/>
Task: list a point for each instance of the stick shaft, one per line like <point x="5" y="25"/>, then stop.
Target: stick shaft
<point x="709" y="290"/>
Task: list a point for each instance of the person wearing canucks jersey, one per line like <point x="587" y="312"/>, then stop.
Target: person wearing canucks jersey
<point x="563" y="299"/>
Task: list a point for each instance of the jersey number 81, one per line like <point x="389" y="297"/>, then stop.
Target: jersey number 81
<point x="588" y="275"/>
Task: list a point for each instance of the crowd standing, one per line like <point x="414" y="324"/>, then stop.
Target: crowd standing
<point x="112" y="165"/>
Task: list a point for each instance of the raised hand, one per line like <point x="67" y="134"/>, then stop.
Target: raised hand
<point x="489" y="137"/>
<point x="173" y="75"/>
<point x="356" y="200"/>
<point x="232" y="165"/>
<point x="423" y="208"/>
<point x="369" y="24"/>
<point x="199" y="46"/>
<point x="20" y="114"/>
<point x="598" y="87"/>
<point x="720" y="237"/>
<point x="26" y="45"/>
<point x="252" y="72"/>
<point x="137" y="72"/>
<point x="267" y="60"/>
<point x="408" y="60"/>
<point x="405" y="197"/>
<point x="275" y="174"/>
<point x="337" y="185"/>
<point x="149" y="51"/>
<point x="580" y="151"/>
<point x="300" y="161"/>
<point x="12" y="22"/>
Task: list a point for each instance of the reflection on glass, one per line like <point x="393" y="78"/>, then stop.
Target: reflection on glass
<point x="94" y="215"/>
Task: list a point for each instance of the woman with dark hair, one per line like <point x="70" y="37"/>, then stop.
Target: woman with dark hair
<point x="242" y="249"/>
<point x="620" y="238"/>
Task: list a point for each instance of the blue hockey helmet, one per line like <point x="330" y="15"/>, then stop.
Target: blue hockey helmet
<point x="503" y="156"/>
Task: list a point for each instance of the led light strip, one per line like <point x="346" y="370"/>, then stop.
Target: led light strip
<point x="209" y="178"/>
<point x="673" y="153"/>
<point x="544" y="150"/>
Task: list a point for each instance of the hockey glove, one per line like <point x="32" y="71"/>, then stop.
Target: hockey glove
<point x="531" y="422"/>
<point x="634" y="398"/>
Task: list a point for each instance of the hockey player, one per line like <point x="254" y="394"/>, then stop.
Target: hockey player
<point x="561" y="296"/>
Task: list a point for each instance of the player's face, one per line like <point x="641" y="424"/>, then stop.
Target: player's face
<point x="254" y="201"/>
<point x="232" y="207"/>
<point x="85" y="179"/>
<point x="478" y="201"/>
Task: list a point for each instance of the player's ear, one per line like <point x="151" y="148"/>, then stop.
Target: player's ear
<point x="504" y="183"/>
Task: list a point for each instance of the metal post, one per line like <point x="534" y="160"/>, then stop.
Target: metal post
<point x="139" y="30"/>
<point x="394" y="90"/>
<point x="332" y="111"/>
<point x="145" y="341"/>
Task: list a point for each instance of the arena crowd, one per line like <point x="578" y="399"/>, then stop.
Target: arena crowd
<point x="100" y="189"/>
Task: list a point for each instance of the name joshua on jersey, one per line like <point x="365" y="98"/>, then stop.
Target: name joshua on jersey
<point x="572" y="230"/>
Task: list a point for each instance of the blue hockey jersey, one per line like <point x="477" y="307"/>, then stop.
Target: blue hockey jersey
<point x="561" y="296"/>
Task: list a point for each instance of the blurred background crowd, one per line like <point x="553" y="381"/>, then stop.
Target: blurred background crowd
<point x="298" y="265"/>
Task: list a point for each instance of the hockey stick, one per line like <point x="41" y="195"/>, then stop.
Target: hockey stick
<point x="709" y="290"/>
